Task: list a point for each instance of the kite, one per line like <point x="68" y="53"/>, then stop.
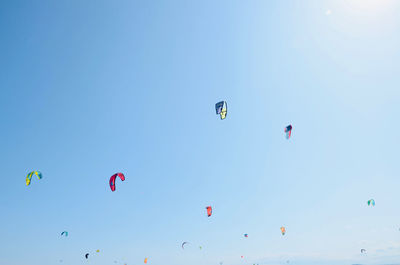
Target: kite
<point x="98" y="250"/>
<point x="184" y="243"/>
<point x="145" y="260"/>
<point x="288" y="131"/>
<point x="363" y="250"/>
<point x="112" y="180"/>
<point x="209" y="211"/>
<point x="65" y="233"/>
<point x="29" y="177"/>
<point x="283" y="230"/>
<point x="200" y="247"/>
<point x="87" y="255"/>
<point x="371" y="202"/>
<point x="246" y="235"/>
<point x="221" y="109"/>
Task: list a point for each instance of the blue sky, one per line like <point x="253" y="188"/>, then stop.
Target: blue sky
<point x="91" y="88"/>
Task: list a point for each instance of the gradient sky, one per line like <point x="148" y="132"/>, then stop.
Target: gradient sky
<point x="91" y="88"/>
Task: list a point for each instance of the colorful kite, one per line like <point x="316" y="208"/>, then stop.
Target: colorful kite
<point x="112" y="180"/>
<point x="209" y="211"/>
<point x="221" y="109"/>
<point x="371" y="202"/>
<point x="288" y="131"/>
<point x="29" y="177"/>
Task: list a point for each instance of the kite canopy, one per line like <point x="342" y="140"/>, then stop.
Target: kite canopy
<point x="87" y="255"/>
<point x="29" y="176"/>
<point x="221" y="109"/>
<point x="145" y="260"/>
<point x="112" y="180"/>
<point x="371" y="202"/>
<point x="209" y="211"/>
<point x="246" y="235"/>
<point x="64" y="233"/>
<point x="283" y="230"/>
<point x="363" y="250"/>
<point x="183" y="244"/>
<point x="288" y="131"/>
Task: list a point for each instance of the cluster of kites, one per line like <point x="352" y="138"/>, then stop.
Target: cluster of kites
<point x="221" y="110"/>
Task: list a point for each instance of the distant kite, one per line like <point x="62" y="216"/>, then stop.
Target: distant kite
<point x="288" y="131"/>
<point x="87" y="255"/>
<point x="29" y="177"/>
<point x="371" y="202"/>
<point x="246" y="235"/>
<point x="363" y="250"/>
<point x="183" y="244"/>
<point x="283" y="230"/>
<point x="65" y="233"/>
<point x="221" y="109"/>
<point x="145" y="260"/>
<point x="209" y="211"/>
<point x="112" y="180"/>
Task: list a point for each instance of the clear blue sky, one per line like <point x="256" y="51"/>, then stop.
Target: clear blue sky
<point x="91" y="88"/>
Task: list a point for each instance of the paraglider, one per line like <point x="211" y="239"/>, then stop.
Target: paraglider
<point x="64" y="233"/>
<point x="184" y="243"/>
<point x="29" y="177"/>
<point x="87" y="255"/>
<point x="221" y="109"/>
<point x="145" y="260"/>
<point x="288" y="131"/>
<point x="283" y="230"/>
<point x="209" y="211"/>
<point x="371" y="202"/>
<point x="363" y="250"/>
<point x="112" y="180"/>
<point x="246" y="235"/>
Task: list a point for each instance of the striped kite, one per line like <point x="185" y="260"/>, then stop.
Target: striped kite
<point x="29" y="177"/>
